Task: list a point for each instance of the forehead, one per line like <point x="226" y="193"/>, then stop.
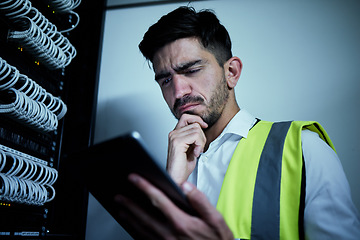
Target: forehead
<point x="179" y="52"/>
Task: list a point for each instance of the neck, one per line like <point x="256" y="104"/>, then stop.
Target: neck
<point x="214" y="131"/>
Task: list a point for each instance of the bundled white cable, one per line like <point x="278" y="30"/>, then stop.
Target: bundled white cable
<point x="23" y="180"/>
<point x="24" y="168"/>
<point x="11" y="78"/>
<point x="38" y="35"/>
<point x="35" y="41"/>
<point x="51" y="31"/>
<point x="24" y="110"/>
<point x="15" y="8"/>
<point x="14" y="189"/>
<point x="64" y="5"/>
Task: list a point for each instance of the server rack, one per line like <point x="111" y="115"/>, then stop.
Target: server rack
<point x="39" y="198"/>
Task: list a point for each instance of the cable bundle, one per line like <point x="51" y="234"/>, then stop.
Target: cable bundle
<point x="15" y="8"/>
<point x="26" y="111"/>
<point x="23" y="180"/>
<point x="51" y="31"/>
<point x="64" y="5"/>
<point x="39" y="45"/>
<point x="38" y="35"/>
<point x="11" y="78"/>
<point x="24" y="191"/>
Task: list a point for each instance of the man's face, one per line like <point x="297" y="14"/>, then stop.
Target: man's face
<point x="191" y="80"/>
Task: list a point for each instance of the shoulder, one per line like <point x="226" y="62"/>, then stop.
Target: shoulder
<point x="322" y="164"/>
<point x="314" y="146"/>
<point x="329" y="210"/>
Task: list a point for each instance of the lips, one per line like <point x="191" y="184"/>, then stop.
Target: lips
<point x="187" y="103"/>
<point x="187" y="107"/>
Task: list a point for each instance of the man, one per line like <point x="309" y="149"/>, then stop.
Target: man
<point x="254" y="179"/>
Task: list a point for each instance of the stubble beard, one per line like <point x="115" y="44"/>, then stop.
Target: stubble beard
<point x="213" y="110"/>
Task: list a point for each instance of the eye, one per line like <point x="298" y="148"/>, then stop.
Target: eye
<point x="166" y="81"/>
<point x="192" y="71"/>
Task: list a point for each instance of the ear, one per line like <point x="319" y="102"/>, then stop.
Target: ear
<point x="232" y="70"/>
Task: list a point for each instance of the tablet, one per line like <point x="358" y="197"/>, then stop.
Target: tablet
<point x="107" y="165"/>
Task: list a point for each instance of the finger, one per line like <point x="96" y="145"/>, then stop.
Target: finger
<point x="141" y="224"/>
<point x="198" y="200"/>
<point x="198" y="149"/>
<point x="187" y="119"/>
<point x="157" y="197"/>
<point x="190" y="134"/>
<point x="184" y="147"/>
<point x="206" y="211"/>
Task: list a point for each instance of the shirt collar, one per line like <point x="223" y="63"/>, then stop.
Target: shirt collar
<point x="240" y="124"/>
<point x="237" y="128"/>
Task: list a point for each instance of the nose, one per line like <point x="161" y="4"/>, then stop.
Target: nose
<point x="181" y="86"/>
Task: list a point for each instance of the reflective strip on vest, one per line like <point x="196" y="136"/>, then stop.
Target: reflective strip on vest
<point x="266" y="217"/>
<point x="260" y="195"/>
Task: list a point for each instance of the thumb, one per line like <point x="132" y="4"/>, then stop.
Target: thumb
<point x="207" y="212"/>
<point x="198" y="200"/>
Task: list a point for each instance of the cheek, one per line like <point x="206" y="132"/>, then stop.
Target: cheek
<point x="168" y="98"/>
<point x="206" y="87"/>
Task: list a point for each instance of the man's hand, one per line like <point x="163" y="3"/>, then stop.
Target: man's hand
<point x="177" y="224"/>
<point x="186" y="143"/>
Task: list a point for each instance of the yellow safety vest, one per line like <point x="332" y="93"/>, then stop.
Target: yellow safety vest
<point x="260" y="194"/>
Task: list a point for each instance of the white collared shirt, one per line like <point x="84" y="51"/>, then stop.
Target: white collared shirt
<point x="212" y="165"/>
<point x="329" y="210"/>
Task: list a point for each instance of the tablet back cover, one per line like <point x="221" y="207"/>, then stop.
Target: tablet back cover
<point x="105" y="168"/>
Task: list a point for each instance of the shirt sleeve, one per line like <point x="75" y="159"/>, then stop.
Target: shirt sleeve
<point x="329" y="210"/>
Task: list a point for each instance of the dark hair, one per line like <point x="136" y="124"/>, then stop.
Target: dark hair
<point x="185" y="22"/>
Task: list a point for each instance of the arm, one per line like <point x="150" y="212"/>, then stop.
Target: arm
<point x="329" y="210"/>
<point x="177" y="224"/>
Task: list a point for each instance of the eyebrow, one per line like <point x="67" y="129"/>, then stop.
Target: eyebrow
<point x="178" y="69"/>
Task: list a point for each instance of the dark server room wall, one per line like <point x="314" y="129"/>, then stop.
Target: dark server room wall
<point x="49" y="66"/>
